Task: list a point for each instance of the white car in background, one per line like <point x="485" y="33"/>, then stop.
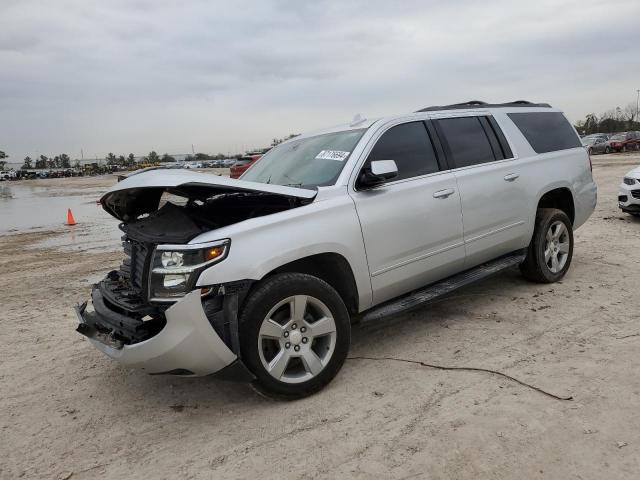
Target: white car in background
<point x="629" y="196"/>
<point x="7" y="175"/>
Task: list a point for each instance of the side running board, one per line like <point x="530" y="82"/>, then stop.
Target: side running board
<point x="435" y="290"/>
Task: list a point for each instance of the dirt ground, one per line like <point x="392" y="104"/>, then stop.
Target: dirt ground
<point x="67" y="411"/>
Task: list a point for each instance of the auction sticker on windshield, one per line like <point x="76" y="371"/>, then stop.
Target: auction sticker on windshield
<point x="337" y="155"/>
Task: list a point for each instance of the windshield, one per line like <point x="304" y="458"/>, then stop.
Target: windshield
<point x="589" y="141"/>
<point x="618" y="137"/>
<point x="308" y="162"/>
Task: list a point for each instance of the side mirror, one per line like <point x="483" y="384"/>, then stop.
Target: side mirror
<point x="378" y="173"/>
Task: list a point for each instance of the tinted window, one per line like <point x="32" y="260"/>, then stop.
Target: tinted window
<point x="467" y="141"/>
<point x="409" y="145"/>
<point x="546" y="131"/>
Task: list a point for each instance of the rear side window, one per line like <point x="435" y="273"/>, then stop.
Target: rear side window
<point x="410" y="146"/>
<point x="546" y="131"/>
<point x="466" y="140"/>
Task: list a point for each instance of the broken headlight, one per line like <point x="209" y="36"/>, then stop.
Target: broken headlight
<point x="175" y="268"/>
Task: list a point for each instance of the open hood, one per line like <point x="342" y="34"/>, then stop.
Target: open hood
<point x="141" y="193"/>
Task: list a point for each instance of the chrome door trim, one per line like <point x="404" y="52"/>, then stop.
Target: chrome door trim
<point x="492" y="232"/>
<point x="417" y="259"/>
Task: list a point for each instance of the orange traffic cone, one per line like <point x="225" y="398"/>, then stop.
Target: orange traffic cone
<point x="70" y="219"/>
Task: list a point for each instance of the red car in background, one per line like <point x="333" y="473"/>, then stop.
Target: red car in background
<point x="242" y="164"/>
<point x="622" y="142"/>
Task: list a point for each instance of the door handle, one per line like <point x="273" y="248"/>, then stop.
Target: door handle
<point x="511" y="177"/>
<point x="443" y="193"/>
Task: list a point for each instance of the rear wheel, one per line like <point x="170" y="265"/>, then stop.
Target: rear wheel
<point x="551" y="249"/>
<point x="295" y="334"/>
<point x="607" y="150"/>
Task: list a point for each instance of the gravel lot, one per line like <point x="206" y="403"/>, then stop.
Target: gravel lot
<point x="66" y="411"/>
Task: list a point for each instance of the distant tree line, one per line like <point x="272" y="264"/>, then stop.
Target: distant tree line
<point x="277" y="141"/>
<point x="612" y="121"/>
<point x="42" y="162"/>
<point x="120" y="161"/>
<point x="205" y="156"/>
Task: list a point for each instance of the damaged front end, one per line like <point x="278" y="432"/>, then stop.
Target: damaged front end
<point x="149" y="313"/>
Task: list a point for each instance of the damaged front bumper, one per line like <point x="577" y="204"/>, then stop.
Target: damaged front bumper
<point x="186" y="345"/>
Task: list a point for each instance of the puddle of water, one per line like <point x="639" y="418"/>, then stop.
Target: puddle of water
<point x="25" y="207"/>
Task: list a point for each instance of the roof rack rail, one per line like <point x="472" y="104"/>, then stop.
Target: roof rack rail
<point x="478" y="103"/>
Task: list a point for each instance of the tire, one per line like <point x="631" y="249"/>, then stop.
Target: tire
<point x="278" y="344"/>
<point x="544" y="269"/>
<point x="607" y="150"/>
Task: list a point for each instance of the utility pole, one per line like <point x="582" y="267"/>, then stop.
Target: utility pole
<point x="637" y="103"/>
<point x="192" y="149"/>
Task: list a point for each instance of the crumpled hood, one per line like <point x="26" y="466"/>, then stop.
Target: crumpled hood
<point x="140" y="193"/>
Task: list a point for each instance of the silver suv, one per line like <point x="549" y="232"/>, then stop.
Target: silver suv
<point x="261" y="278"/>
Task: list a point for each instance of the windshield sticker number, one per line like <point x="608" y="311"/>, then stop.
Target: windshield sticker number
<point x="336" y="155"/>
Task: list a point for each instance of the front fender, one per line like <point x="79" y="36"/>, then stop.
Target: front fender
<point x="260" y="245"/>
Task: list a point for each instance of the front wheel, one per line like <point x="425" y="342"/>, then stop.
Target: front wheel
<point x="295" y="334"/>
<point x="551" y="249"/>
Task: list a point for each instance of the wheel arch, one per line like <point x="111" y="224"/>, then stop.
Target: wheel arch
<point x="330" y="267"/>
<point x="560" y="198"/>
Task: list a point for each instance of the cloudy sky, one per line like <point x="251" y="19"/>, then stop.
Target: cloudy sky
<point x="134" y="75"/>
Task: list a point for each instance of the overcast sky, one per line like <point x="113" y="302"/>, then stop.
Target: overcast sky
<point x="131" y="75"/>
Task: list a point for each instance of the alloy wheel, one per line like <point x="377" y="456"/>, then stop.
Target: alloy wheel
<point x="556" y="247"/>
<point x="297" y="339"/>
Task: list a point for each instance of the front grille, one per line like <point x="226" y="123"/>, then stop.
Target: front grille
<point x="629" y="181"/>
<point x="635" y="193"/>
<point x="135" y="263"/>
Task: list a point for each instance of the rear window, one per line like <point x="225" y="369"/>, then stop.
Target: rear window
<point x="546" y="131"/>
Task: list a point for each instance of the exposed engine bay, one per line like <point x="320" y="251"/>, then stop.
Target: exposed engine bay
<point x="154" y="216"/>
<point x="181" y="218"/>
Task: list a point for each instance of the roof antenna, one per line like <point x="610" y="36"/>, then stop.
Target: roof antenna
<point x="357" y="120"/>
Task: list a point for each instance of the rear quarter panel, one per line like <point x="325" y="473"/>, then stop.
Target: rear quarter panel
<point x="544" y="172"/>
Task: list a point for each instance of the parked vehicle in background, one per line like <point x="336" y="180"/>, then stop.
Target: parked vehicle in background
<point x="596" y="145"/>
<point x="7" y="175"/>
<point x="629" y="194"/>
<point x="242" y="165"/>
<point x="261" y="277"/>
<point x="605" y="136"/>
<point x="622" y="142"/>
